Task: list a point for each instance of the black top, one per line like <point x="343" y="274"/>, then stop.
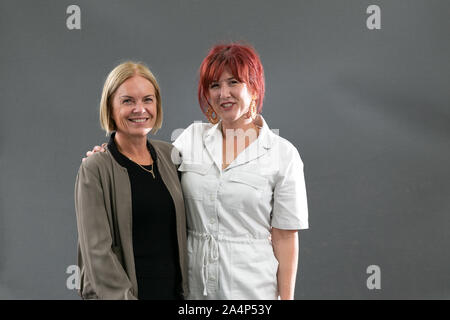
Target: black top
<point x="155" y="242"/>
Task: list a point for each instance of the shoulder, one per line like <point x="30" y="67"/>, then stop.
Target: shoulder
<point x="196" y="128"/>
<point x="96" y="162"/>
<point x="285" y="151"/>
<point x="185" y="137"/>
<point x="161" y="145"/>
<point x="285" y="146"/>
<point x="280" y="146"/>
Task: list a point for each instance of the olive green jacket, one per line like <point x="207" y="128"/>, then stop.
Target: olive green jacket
<point x="104" y="221"/>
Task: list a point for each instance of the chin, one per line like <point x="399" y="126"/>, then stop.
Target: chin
<point x="140" y="133"/>
<point x="230" y="118"/>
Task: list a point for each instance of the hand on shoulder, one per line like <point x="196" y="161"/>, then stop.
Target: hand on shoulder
<point x="101" y="148"/>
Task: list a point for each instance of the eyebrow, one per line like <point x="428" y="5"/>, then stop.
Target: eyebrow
<point x="149" y="95"/>
<point x="224" y="79"/>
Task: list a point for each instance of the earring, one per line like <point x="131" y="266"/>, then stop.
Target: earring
<point x="212" y="115"/>
<point x="251" y="113"/>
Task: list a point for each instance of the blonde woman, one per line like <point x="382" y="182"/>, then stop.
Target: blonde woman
<point x="129" y="204"/>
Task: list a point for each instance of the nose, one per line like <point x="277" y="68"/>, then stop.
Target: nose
<point x="224" y="91"/>
<point x="139" y="108"/>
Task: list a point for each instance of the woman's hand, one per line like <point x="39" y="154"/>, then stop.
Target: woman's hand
<point x="101" y="148"/>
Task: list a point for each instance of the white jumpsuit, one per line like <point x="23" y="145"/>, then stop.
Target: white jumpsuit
<point x="230" y="212"/>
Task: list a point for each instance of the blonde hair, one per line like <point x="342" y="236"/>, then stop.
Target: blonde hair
<point x="115" y="78"/>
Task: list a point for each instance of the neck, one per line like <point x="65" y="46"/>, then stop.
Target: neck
<point x="241" y="123"/>
<point x="131" y="146"/>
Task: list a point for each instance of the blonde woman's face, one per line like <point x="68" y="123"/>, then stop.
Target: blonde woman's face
<point x="134" y="106"/>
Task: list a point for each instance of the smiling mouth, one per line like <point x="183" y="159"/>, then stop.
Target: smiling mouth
<point x="138" y="120"/>
<point x="227" y="105"/>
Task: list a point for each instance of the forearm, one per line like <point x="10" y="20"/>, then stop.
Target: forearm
<point x="285" y="245"/>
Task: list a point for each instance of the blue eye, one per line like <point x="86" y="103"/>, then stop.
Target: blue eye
<point x="126" y="101"/>
<point x="149" y="100"/>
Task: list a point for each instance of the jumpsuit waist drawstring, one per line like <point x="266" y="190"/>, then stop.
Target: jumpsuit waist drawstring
<point x="210" y="255"/>
<point x="210" y="250"/>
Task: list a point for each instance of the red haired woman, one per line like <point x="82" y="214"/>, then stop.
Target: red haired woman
<point x="243" y="186"/>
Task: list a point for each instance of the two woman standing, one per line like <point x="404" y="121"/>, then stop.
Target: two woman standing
<point x="243" y="188"/>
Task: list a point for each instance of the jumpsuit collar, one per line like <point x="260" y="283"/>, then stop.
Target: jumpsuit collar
<point x="212" y="140"/>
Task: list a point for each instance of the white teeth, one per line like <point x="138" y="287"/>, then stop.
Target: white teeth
<point x="138" y="120"/>
<point x="226" y="105"/>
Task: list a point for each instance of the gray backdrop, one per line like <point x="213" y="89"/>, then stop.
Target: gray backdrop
<point x="367" y="109"/>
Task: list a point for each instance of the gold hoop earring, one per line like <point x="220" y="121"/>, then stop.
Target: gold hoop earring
<point x="212" y="115"/>
<point x="251" y="113"/>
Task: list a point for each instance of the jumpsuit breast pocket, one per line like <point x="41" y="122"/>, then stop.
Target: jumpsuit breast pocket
<point x="247" y="190"/>
<point x="194" y="180"/>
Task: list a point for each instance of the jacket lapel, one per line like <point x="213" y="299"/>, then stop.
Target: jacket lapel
<point x="124" y="218"/>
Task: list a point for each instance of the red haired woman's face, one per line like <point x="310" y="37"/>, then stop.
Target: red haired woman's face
<point x="229" y="98"/>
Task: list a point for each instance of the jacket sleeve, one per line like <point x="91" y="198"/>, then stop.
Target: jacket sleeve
<point x="102" y="267"/>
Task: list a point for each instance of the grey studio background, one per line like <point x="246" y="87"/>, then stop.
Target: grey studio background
<point x="368" y="110"/>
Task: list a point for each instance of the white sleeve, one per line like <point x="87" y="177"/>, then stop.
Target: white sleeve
<point x="183" y="136"/>
<point x="181" y="139"/>
<point x="189" y="142"/>
<point x="290" y="207"/>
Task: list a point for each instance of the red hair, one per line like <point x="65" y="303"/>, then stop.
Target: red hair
<point x="243" y="62"/>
